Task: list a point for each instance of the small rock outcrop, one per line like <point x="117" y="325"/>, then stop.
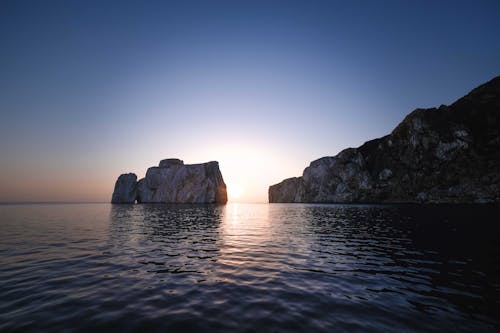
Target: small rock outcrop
<point x="173" y="182"/>
<point x="125" y="189"/>
<point x="449" y="154"/>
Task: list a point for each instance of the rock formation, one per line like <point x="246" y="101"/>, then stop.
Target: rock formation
<point x="449" y="154"/>
<point x="173" y="182"/>
<point x="125" y="189"/>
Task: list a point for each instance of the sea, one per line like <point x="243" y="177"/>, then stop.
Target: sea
<point x="249" y="268"/>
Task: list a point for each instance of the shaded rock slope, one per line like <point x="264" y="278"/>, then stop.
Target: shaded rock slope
<point x="449" y="154"/>
<point x="173" y="182"/>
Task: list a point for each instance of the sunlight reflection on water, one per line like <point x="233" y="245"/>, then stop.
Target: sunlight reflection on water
<point x="249" y="267"/>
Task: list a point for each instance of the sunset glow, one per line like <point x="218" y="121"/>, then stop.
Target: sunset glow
<point x="248" y="168"/>
<point x="249" y="165"/>
<point x="260" y="89"/>
<point x="235" y="191"/>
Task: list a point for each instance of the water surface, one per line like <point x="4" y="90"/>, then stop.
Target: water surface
<point x="248" y="268"/>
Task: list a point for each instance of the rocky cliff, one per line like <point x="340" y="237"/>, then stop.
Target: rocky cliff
<point x="173" y="182"/>
<point x="449" y="154"/>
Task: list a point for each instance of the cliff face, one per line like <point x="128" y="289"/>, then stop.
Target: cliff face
<point x="173" y="182"/>
<point x="125" y="189"/>
<point x="449" y="154"/>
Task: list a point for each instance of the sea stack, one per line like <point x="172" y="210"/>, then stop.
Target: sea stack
<point x="173" y="182"/>
<point x="449" y="154"/>
<point x="125" y="189"/>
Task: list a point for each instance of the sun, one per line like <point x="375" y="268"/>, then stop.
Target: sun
<point x="235" y="191"/>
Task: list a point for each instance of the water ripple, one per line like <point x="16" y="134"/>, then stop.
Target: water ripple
<point x="249" y="268"/>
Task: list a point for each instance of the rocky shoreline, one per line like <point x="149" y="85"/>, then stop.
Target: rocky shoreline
<point x="449" y="154"/>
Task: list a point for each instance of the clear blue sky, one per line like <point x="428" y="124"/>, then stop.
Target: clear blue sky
<point x="92" y="89"/>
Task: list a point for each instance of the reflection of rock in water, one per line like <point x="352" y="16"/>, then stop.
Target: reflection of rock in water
<point x="425" y="247"/>
<point x="416" y="258"/>
<point x="173" y="182"/>
<point x="168" y="238"/>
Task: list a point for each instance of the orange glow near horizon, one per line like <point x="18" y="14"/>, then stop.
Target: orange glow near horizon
<point x="248" y="169"/>
<point x="235" y="191"/>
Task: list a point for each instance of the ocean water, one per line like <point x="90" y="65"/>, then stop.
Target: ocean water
<point x="249" y="268"/>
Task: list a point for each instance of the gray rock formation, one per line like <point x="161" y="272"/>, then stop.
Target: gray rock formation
<point x="175" y="182"/>
<point x="125" y="189"/>
<point x="449" y="154"/>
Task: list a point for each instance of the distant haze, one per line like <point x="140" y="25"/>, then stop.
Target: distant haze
<point x="93" y="89"/>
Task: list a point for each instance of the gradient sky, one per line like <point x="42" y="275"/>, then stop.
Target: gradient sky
<point x="92" y="89"/>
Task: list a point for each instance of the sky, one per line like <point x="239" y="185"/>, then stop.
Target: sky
<point x="93" y="89"/>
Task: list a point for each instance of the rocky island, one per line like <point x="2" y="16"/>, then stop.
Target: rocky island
<point x="449" y="154"/>
<point x="173" y="182"/>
